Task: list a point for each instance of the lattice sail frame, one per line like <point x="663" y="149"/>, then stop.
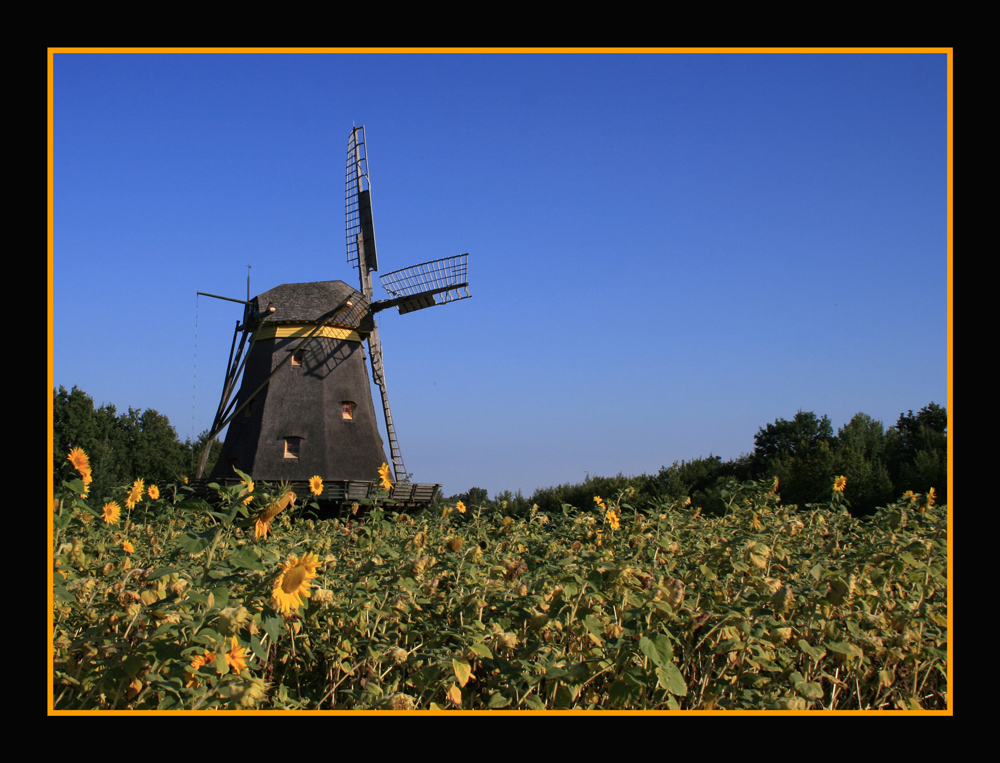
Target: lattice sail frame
<point x="357" y="181"/>
<point x="438" y="282"/>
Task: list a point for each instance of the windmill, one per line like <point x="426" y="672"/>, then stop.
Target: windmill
<point x="304" y="406"/>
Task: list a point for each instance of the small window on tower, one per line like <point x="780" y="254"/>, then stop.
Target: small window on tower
<point x="297" y="357"/>
<point x="292" y="447"/>
<point x="347" y="409"/>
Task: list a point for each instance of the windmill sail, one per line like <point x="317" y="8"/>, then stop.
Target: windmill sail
<point x="361" y="254"/>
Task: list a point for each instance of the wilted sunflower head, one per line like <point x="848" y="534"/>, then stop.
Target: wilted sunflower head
<point x="280" y="500"/>
<point x="292" y="583"/>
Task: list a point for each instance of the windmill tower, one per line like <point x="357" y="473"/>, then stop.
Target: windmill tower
<point x="304" y="406"/>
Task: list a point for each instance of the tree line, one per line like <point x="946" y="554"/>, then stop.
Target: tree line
<point x="122" y="447"/>
<point x="803" y="453"/>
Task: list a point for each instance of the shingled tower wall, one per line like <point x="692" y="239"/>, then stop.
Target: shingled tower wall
<point x="297" y="426"/>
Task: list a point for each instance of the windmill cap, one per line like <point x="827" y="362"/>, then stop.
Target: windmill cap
<point x="309" y="302"/>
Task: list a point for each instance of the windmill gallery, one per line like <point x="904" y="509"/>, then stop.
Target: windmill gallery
<point x="304" y="406"/>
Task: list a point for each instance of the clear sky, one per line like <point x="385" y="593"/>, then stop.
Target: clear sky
<point x="666" y="251"/>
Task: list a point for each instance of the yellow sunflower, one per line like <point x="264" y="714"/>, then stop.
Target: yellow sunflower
<point x="460" y="507"/>
<point x="236" y="657"/>
<point x="153" y="492"/>
<point x="292" y="583"/>
<point x="208" y="658"/>
<point x="316" y="485"/>
<point x="112" y="512"/>
<point x="612" y="518"/>
<point x="128" y="547"/>
<point x="383" y="474"/>
<point x="839" y="484"/>
<point x="248" y="493"/>
<point x="79" y="460"/>
<point x="134" y="495"/>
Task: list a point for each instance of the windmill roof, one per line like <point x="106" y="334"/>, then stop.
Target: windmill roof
<point x="308" y="302"/>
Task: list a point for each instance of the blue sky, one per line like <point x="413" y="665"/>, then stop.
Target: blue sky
<point x="666" y="251"/>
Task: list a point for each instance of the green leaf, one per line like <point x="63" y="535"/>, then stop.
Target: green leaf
<point x="842" y="647"/>
<point x="481" y="649"/>
<point x="246" y="558"/>
<point x="661" y="651"/>
<point x="498" y="700"/>
<point x="817" y="653"/>
<point x="669" y="677"/>
<point x="195" y="543"/>
<point x="159" y="572"/>
<point x="648" y="648"/>
<point x="274" y="626"/>
<point x="809" y="690"/>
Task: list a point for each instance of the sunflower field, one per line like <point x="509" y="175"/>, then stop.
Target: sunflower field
<point x="163" y="601"/>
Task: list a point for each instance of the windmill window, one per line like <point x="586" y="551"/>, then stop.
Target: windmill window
<point x="297" y="357"/>
<point x="347" y="410"/>
<point x="292" y="447"/>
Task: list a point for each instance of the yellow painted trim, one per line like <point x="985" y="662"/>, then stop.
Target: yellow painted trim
<point x="282" y="331"/>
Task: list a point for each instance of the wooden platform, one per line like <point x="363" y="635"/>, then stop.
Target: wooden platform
<point x="343" y="492"/>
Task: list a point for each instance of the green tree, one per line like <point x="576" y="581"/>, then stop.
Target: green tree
<point x="860" y="456"/>
<point x="917" y="451"/>
<point x="799" y="453"/>
<point x="121" y="448"/>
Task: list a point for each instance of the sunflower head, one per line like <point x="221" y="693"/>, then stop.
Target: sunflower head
<point x="153" y="492"/>
<point x="460" y="507"/>
<point x="383" y="475"/>
<point x="236" y="657"/>
<point x="112" y="512"/>
<point x="316" y="485"/>
<point x="839" y="484"/>
<point x="292" y="583"/>
<point x="281" y="500"/>
<point x="79" y="460"/>
<point x="613" y="519"/>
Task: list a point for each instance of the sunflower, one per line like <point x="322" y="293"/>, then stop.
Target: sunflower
<point x="112" y="512"/>
<point x="247" y="495"/>
<point x="281" y="501"/>
<point x="79" y="460"/>
<point x="293" y="582"/>
<point x="153" y="492"/>
<point x="236" y="657"/>
<point x="128" y="547"/>
<point x="931" y="496"/>
<point x="612" y="518"/>
<point x="383" y="474"/>
<point x="460" y="507"/>
<point x="316" y="485"/>
<point x="599" y="501"/>
<point x="208" y="658"/>
<point x="839" y="484"/>
<point x="134" y="495"/>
